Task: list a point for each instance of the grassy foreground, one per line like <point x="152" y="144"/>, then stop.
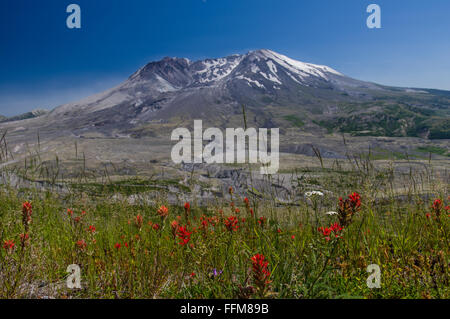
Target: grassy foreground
<point x="239" y="248"/>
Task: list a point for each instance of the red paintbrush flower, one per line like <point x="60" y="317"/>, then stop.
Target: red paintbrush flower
<point x="231" y="223"/>
<point x="163" y="211"/>
<point x="326" y="231"/>
<point x="437" y="207"/>
<point x="138" y="221"/>
<point x="8" y="245"/>
<point x="27" y="208"/>
<point x="183" y="235"/>
<point x="24" y="236"/>
<point x="204" y="224"/>
<point x="355" y="200"/>
<point x="187" y="209"/>
<point x="336" y="227"/>
<point x="81" y="244"/>
<point x="262" y="221"/>
<point x="27" y="211"/>
<point x="347" y="208"/>
<point x="260" y="272"/>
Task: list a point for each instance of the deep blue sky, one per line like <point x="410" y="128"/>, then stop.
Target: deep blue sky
<point x="44" y="64"/>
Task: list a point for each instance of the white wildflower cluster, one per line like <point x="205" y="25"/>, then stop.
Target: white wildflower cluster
<point x="313" y="193"/>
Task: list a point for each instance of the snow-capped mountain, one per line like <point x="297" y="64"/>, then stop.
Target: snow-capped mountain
<point x="173" y="74"/>
<point x="277" y="91"/>
<point x="264" y="71"/>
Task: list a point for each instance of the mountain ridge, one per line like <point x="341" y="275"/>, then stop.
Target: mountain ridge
<point x="276" y="90"/>
<point x="27" y="115"/>
<point x="173" y="74"/>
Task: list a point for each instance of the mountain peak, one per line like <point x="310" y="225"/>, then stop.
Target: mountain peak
<point x="173" y="59"/>
<point x="176" y="72"/>
<point x="262" y="52"/>
<point x="305" y="68"/>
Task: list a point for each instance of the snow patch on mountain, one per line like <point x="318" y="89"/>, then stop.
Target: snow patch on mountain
<point x="163" y="85"/>
<point x="293" y="78"/>
<point x="241" y="77"/>
<point x="300" y="68"/>
<point x="272" y="67"/>
<point x="255" y="68"/>
<point x="217" y="69"/>
<point x="271" y="77"/>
